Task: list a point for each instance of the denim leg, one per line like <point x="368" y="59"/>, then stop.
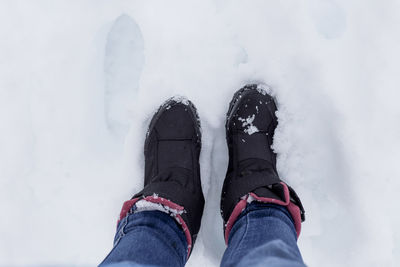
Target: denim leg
<point x="263" y="235"/>
<point x="148" y="238"/>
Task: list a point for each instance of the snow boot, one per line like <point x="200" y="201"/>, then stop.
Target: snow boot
<point x="172" y="169"/>
<point x="252" y="174"/>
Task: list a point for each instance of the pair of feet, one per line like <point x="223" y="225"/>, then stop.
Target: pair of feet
<point x="172" y="169"/>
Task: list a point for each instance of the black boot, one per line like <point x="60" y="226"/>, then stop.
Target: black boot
<point x="252" y="175"/>
<point x="172" y="169"/>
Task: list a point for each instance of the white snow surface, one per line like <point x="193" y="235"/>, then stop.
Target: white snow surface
<point x="143" y="205"/>
<point x="74" y="112"/>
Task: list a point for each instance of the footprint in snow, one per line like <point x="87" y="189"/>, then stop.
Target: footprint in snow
<point x="123" y="64"/>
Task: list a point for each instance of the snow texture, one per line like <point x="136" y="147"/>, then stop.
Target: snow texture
<point x="248" y="124"/>
<point x="180" y="99"/>
<point x="143" y="205"/>
<point x="80" y="80"/>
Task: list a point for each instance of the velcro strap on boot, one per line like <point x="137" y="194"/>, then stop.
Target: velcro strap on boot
<point x="237" y="188"/>
<point x="294" y="207"/>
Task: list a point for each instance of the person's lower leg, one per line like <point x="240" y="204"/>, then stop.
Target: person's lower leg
<point x="149" y="238"/>
<point x="264" y="233"/>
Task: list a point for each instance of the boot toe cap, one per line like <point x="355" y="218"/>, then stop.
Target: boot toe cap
<point x="254" y="112"/>
<point x="177" y="121"/>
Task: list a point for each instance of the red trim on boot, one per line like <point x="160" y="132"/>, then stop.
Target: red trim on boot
<point x="241" y="205"/>
<point x="126" y="207"/>
<point x="295" y="212"/>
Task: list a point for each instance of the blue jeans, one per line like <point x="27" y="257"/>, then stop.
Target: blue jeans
<point x="263" y="235"/>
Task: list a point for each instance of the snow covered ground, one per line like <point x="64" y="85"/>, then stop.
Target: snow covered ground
<point x="79" y="81"/>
